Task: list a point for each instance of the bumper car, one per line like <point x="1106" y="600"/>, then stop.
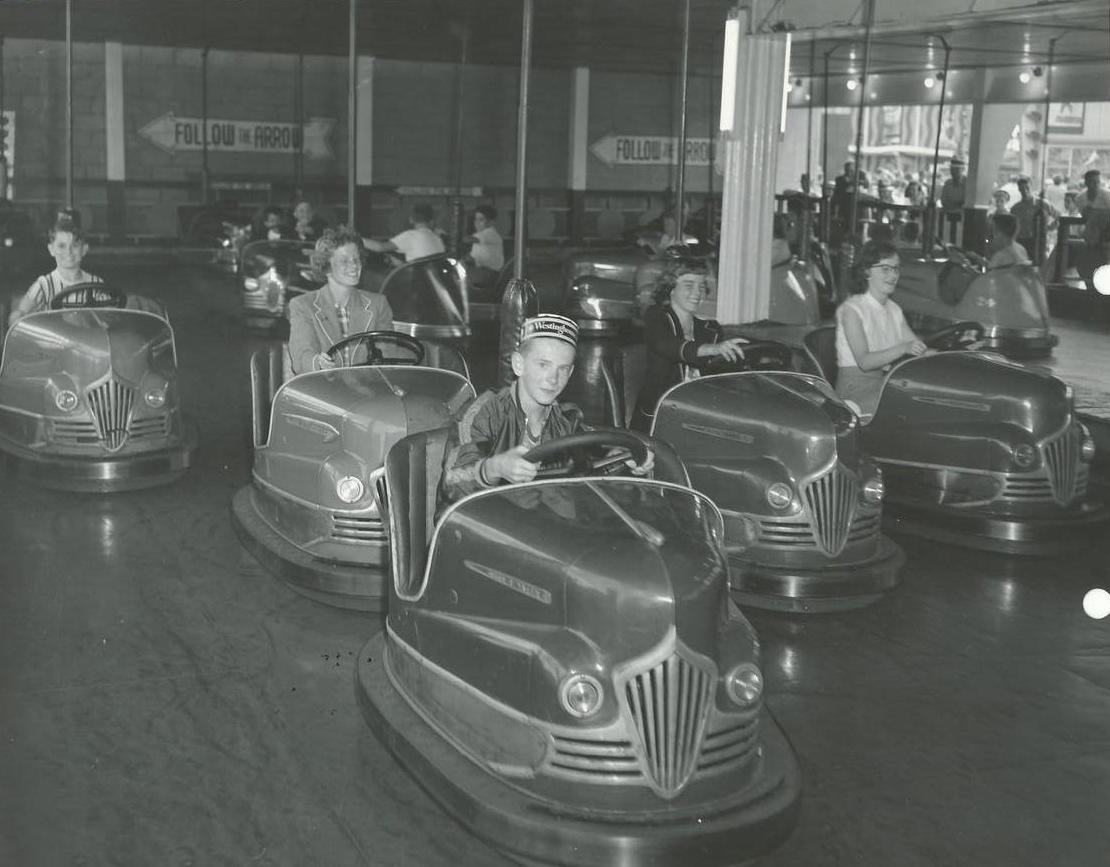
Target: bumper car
<point x="320" y="439"/>
<point x="1010" y="302"/>
<point x="89" y="397"/>
<point x="781" y="456"/>
<point x="979" y="451"/>
<point x="563" y="671"/>
<point x="270" y="273"/>
<point x="605" y="293"/>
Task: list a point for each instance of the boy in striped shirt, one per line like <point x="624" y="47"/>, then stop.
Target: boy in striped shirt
<point x="67" y="246"/>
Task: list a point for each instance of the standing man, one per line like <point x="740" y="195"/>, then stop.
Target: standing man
<point x="953" y="195"/>
<point x="1032" y="219"/>
<point x="1094" y="205"/>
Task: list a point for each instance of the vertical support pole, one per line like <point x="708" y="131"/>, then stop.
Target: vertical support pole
<point x="114" y="138"/>
<point x="69" y="103"/>
<point x="680" y="180"/>
<point x="1040" y="223"/>
<point x="298" y="119"/>
<point x="204" y="177"/>
<point x="860" y="119"/>
<point x="522" y="142"/>
<point x="931" y="219"/>
<point x="459" y="214"/>
<point x="579" y="148"/>
<point x="352" y="108"/>
<point x="807" y="212"/>
<point x="826" y="202"/>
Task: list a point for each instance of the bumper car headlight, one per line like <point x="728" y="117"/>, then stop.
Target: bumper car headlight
<point x="779" y="496"/>
<point x="155" y="397"/>
<point x="873" y="489"/>
<point x="744" y="684"/>
<point x="66" y="400"/>
<point x="250" y="284"/>
<point x="349" y="489"/>
<point x="581" y="695"/>
<point x="1025" y="456"/>
<point x="1087" y="447"/>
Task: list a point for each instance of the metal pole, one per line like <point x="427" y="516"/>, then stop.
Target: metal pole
<point x="931" y="222"/>
<point x="859" y="122"/>
<point x="1039" y="219"/>
<point x="298" y="96"/>
<point x="826" y="201"/>
<point x="458" y="217"/>
<point x="204" y="179"/>
<point x="807" y="212"/>
<point x="352" y="109"/>
<point x="522" y="141"/>
<point x="69" y="103"/>
<point x="680" y="180"/>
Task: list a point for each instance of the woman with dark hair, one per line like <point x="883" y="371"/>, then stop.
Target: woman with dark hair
<point x="678" y="342"/>
<point x="871" y="330"/>
<point x="317" y="320"/>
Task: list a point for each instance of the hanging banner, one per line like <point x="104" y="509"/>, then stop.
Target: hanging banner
<point x="650" y="150"/>
<point x="172" y="134"/>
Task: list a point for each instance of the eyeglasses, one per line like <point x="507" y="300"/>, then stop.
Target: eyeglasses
<point x="887" y="269"/>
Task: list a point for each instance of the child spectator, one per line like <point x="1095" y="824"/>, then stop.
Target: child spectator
<point x="1005" y="250"/>
<point x="67" y="246"/>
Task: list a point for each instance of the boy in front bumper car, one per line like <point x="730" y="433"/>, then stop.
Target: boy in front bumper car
<point x="499" y="427"/>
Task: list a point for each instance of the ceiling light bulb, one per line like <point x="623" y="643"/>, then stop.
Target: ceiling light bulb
<point x="930" y="81"/>
<point x="1024" y="77"/>
<point x="851" y="84"/>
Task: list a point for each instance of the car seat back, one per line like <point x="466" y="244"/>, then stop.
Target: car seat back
<point x="413" y="470"/>
<point x="820" y="347"/>
<point x="953" y="282"/>
<point x="268" y="372"/>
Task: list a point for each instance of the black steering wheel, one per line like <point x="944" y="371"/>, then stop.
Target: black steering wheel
<point x="88" y="295"/>
<point x="374" y="354"/>
<point x="576" y="455"/>
<point x="758" y="355"/>
<point x="958" y="335"/>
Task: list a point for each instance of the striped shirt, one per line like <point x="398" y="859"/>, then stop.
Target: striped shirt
<point x="45" y="289"/>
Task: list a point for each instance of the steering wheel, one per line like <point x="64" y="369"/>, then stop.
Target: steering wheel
<point x="758" y="355"/>
<point x="88" y="295"/>
<point x="373" y="353"/>
<point x="575" y="451"/>
<point x="958" y="335"/>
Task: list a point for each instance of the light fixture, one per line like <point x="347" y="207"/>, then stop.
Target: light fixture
<point x="785" y="85"/>
<point x="851" y="84"/>
<point x="1024" y="77"/>
<point x="930" y="81"/>
<point x="728" y="74"/>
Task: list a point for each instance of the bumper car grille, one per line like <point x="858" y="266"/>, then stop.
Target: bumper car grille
<point x="75" y="433"/>
<point x="149" y="428"/>
<point x="668" y="706"/>
<point x="358" y="528"/>
<point x="1061" y="460"/>
<point x="111" y="403"/>
<point x="831" y="500"/>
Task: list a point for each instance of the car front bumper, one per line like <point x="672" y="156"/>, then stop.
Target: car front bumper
<point x="534" y="831"/>
<point x="104" y="474"/>
<point x="360" y="588"/>
<point x="838" y="586"/>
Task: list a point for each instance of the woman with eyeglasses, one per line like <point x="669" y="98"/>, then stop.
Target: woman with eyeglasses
<point x="871" y="330"/>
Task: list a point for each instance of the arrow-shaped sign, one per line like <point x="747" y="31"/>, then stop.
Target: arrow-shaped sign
<point x="650" y="150"/>
<point x="172" y="134"/>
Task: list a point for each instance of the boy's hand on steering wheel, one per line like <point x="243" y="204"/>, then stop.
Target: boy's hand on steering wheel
<point x="642" y="469"/>
<point x="323" y="361"/>
<point x="510" y="466"/>
<point x="731" y="349"/>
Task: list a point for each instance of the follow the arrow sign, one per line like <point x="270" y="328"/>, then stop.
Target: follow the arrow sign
<point x="172" y="133"/>
<point x="650" y="150"/>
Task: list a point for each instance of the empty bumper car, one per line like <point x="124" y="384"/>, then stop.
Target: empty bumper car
<point x="562" y="668"/>
<point x="89" y="394"/>
<point x="1010" y="302"/>
<point x="320" y="438"/>
<point x="781" y="456"/>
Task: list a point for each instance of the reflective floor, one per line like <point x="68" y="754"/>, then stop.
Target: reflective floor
<point x="163" y="701"/>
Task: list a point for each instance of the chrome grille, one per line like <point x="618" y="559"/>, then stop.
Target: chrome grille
<point x="111" y="404"/>
<point x="75" y="433"/>
<point x="797" y="533"/>
<point x="614" y="760"/>
<point x="1061" y="461"/>
<point x="366" y="529"/>
<point x="730" y="746"/>
<point x="831" y="501"/>
<point x="149" y="428"/>
<point x="668" y="706"/>
<point x="1039" y="488"/>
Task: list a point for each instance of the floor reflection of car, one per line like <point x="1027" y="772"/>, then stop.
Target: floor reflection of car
<point x="563" y="670"/>
<point x="89" y="397"/>
<point x="320" y="438"/>
<point x="979" y="451"/>
<point x="1010" y="302"/>
<point x="781" y="456"/>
